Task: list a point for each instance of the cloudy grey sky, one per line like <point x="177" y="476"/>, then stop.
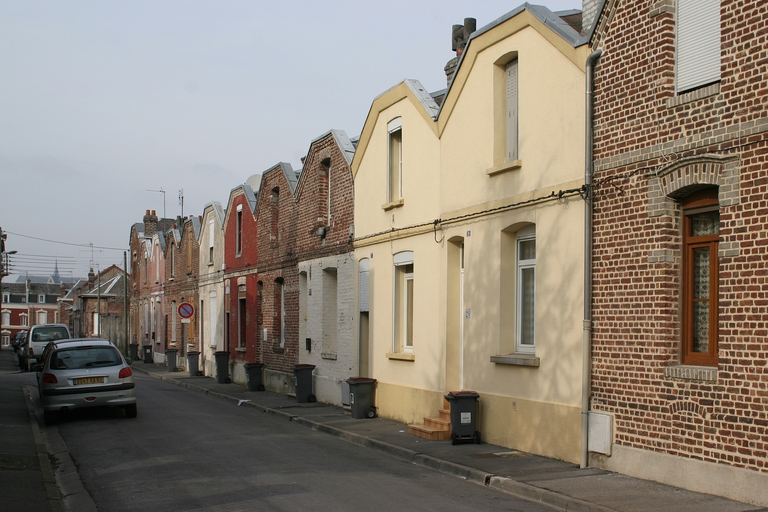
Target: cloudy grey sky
<point x="101" y="101"/>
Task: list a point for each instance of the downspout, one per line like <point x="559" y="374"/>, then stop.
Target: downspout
<point x="586" y="370"/>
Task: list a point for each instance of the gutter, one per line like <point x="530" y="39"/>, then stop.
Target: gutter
<point x="586" y="373"/>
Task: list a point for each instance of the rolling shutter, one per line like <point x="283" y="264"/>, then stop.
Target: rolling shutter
<point x="698" y="43"/>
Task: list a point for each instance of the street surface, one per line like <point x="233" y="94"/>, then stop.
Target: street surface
<point x="192" y="452"/>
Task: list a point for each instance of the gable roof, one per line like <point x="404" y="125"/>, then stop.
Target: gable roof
<point x="343" y="142"/>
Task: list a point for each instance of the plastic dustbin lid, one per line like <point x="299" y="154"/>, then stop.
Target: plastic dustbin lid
<point x="193" y="353"/>
<point x="303" y="366"/>
<point x="452" y="395"/>
<point x="360" y="380"/>
<point x="253" y="365"/>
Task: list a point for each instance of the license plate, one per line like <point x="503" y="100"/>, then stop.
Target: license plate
<point x="90" y="380"/>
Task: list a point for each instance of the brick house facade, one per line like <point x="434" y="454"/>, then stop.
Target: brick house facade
<point x="181" y="270"/>
<point x="241" y="299"/>
<point x="326" y="264"/>
<point x="278" y="278"/>
<point x="679" y="289"/>
<point x="101" y="304"/>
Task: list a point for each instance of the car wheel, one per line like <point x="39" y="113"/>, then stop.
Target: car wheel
<point x="50" y="417"/>
<point x="131" y="411"/>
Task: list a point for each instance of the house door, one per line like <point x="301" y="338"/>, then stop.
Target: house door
<point x="461" y="316"/>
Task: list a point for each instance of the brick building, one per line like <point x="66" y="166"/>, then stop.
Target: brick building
<point x="241" y="293"/>
<point x="25" y="304"/>
<point x="182" y="268"/>
<point x="278" y="278"/>
<point x="326" y="263"/>
<point x="100" y="304"/>
<point x="680" y="290"/>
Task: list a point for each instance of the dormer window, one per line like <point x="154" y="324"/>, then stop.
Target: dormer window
<point x="395" y="165"/>
<point x="239" y="233"/>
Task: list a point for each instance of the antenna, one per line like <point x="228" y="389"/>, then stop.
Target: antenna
<point x="181" y="201"/>
<point x="162" y="192"/>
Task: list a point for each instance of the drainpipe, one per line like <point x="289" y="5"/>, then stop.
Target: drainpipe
<point x="587" y="334"/>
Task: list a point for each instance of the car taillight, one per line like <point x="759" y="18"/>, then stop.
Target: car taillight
<point x="49" y="378"/>
<point x="125" y="373"/>
<point x="31" y="351"/>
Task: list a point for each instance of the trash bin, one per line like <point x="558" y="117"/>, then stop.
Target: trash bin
<point x="361" y="397"/>
<point x="147" y="353"/>
<point x="134" y="348"/>
<point x="253" y="376"/>
<point x="463" y="416"/>
<point x="193" y="358"/>
<point x="170" y="358"/>
<point x="302" y="375"/>
<point x="222" y="367"/>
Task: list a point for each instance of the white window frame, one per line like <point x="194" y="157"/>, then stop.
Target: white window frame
<point x="41" y="298"/>
<point x="212" y="324"/>
<point x="526" y="234"/>
<point x="6" y="298"/>
<point x="23" y="320"/>
<point x="5" y="317"/>
<point x="511" y="88"/>
<point x="401" y="306"/>
<point x="96" y="322"/>
<point x="210" y="242"/>
<point x="42" y="315"/>
<point x="239" y="231"/>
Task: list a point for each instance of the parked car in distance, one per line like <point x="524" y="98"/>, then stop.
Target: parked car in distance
<point x="84" y="372"/>
<point x="38" y="337"/>
<point x="17" y="340"/>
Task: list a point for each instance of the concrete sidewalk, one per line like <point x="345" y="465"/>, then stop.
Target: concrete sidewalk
<point x="555" y="483"/>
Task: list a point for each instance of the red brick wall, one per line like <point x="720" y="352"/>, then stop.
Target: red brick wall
<point x="277" y="260"/>
<point x="642" y="131"/>
<point x="181" y="286"/>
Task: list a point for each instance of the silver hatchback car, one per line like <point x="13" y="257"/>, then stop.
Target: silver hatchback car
<point x="87" y="372"/>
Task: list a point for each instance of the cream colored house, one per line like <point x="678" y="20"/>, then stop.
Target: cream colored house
<point x="211" y="286"/>
<point x="469" y="233"/>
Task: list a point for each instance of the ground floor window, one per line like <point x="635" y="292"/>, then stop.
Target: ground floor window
<point x="404" y="301"/>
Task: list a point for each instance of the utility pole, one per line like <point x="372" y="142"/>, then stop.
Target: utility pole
<point x="181" y="201"/>
<point x="98" y="300"/>
<point x="125" y="304"/>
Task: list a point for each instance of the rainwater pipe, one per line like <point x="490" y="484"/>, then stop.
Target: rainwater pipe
<point x="586" y="388"/>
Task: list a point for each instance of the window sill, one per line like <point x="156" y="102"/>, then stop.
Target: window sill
<point x="210" y="263"/>
<point x="278" y="350"/>
<point x="695" y="95"/>
<point x="517" y="360"/>
<point x="692" y="373"/>
<point x="401" y="356"/>
<point x="331" y="357"/>
<point x="240" y="349"/>
<point x="392" y="205"/>
<point x="506" y="166"/>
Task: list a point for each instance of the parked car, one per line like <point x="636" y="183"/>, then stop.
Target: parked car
<point x="21" y="342"/>
<point x="84" y="372"/>
<point x="17" y="341"/>
<point x="38" y="337"/>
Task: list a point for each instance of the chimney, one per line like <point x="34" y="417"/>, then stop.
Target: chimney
<point x="91" y="278"/>
<point x="588" y="14"/>
<point x="459" y="38"/>
<point x="150" y="223"/>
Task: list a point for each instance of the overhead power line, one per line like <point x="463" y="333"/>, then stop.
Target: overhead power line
<point x="67" y="243"/>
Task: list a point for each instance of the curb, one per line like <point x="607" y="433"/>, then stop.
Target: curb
<point x="498" y="483"/>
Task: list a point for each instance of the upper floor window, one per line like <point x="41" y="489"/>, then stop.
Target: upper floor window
<point x="172" y="250"/>
<point x="510" y="83"/>
<point x="701" y="234"/>
<point x="6" y="298"/>
<point x="6" y="318"/>
<point x="698" y="43"/>
<point x="23" y="319"/>
<point x="395" y="160"/>
<point x="210" y="242"/>
<point x="239" y="232"/>
<point x="274" y="235"/>
<point x="41" y="298"/>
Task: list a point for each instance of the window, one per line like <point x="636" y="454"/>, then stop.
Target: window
<point x="144" y="277"/>
<point x="701" y="228"/>
<point x="403" y="307"/>
<point x="173" y="260"/>
<point x="174" y="317"/>
<point x="525" y="291"/>
<point x="23" y="319"/>
<point x="96" y="325"/>
<point x="210" y="242"/>
<point x="395" y="165"/>
<point x="42" y="317"/>
<point x="274" y="235"/>
<point x="239" y="232"/>
<point x="241" y="312"/>
<point x="41" y="298"/>
<point x="510" y="82"/>
<point x="6" y="318"/>
<point x="280" y="287"/>
<point x="212" y="323"/>
<point x="698" y="43"/>
<point x="330" y="310"/>
<point x="6" y="298"/>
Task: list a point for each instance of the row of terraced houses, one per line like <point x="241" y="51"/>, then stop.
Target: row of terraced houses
<point x="575" y="228"/>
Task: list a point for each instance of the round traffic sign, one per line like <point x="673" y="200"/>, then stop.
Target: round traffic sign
<point x="186" y="310"/>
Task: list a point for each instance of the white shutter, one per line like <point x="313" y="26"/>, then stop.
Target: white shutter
<point x="364" y="285"/>
<point x="698" y="43"/>
<point x="511" y="79"/>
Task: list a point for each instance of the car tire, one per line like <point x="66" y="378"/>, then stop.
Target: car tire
<point x="131" y="411"/>
<point x="50" y="417"/>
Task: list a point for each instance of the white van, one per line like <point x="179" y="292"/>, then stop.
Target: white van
<point x="38" y="337"/>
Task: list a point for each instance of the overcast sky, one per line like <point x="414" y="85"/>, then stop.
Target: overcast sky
<point x="101" y="101"/>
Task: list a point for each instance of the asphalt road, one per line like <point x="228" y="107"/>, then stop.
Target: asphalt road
<point x="192" y="452"/>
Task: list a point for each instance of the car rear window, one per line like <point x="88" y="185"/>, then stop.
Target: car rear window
<point x="85" y="357"/>
<point x="50" y="334"/>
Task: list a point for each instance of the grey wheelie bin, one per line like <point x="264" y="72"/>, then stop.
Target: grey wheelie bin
<point x="170" y="357"/>
<point x="361" y="397"/>
<point x="222" y="367"/>
<point x="253" y="376"/>
<point x="463" y="416"/>
<point x="193" y="359"/>
<point x="147" y="353"/>
<point x="302" y="375"/>
<point x="134" y="348"/>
